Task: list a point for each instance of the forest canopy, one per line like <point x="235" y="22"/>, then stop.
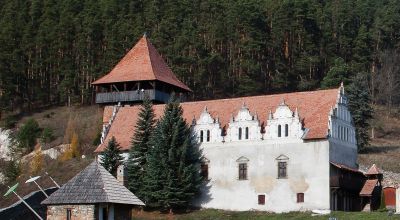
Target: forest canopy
<point x="51" y="51"/>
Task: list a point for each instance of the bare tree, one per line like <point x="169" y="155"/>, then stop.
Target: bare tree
<point x="388" y="79"/>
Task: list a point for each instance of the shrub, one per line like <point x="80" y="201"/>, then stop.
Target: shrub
<point x="27" y="134"/>
<point x="13" y="170"/>
<point x="47" y="135"/>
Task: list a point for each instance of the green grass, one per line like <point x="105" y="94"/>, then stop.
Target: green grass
<point x="218" y="214"/>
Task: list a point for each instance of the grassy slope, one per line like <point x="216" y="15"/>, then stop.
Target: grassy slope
<point x="86" y="122"/>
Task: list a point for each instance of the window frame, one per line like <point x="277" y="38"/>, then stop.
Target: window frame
<point x="261" y="199"/>
<point x="240" y="133"/>
<point x="300" y="197"/>
<point x="286" y="130"/>
<point x="283" y="168"/>
<point x="246" y="133"/>
<point x="204" y="172"/>
<point x="201" y="136"/>
<point x="243" y="169"/>
<point x="279" y="131"/>
<point x="208" y="136"/>
<point x="69" y="213"/>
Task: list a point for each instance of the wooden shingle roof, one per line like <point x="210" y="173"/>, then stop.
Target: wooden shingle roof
<point x="92" y="185"/>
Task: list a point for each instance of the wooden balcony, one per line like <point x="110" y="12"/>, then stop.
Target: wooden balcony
<point x="131" y="96"/>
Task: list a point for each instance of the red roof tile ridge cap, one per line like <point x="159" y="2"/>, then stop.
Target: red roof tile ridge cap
<point x="256" y="96"/>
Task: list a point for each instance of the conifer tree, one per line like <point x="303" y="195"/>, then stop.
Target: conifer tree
<point x="111" y="157"/>
<point x="136" y="164"/>
<point x="172" y="177"/>
<point x="360" y="108"/>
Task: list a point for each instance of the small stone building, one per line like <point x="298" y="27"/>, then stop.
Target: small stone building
<point x="92" y="194"/>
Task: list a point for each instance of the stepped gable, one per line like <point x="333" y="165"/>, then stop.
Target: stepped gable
<point x="142" y="63"/>
<point x="313" y="108"/>
<point x="92" y="185"/>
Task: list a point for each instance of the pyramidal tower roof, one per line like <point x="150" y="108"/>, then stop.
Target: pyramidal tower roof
<point x="142" y="63"/>
<point x="92" y="185"/>
<point x="373" y="170"/>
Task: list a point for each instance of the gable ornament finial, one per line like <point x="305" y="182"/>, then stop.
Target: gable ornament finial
<point x="270" y="115"/>
<point x="283" y="102"/>
<point x="296" y="113"/>
<point x="145" y="34"/>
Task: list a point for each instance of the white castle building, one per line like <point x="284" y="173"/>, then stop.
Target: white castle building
<point x="279" y="153"/>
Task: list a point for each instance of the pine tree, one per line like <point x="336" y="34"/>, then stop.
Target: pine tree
<point x="136" y="164"/>
<point x="111" y="157"/>
<point x="360" y="108"/>
<point x="172" y="177"/>
<point x="340" y="72"/>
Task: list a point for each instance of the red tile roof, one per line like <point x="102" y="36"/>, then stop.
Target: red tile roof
<point x="373" y="170"/>
<point x="344" y="167"/>
<point x="313" y="108"/>
<point x="368" y="187"/>
<point x="142" y="63"/>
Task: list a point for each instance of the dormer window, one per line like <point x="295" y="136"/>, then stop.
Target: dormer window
<point x="208" y="135"/>
<point x="286" y="130"/>
<point x="279" y="131"/>
<point x="247" y="133"/>
<point x="201" y="136"/>
<point x="240" y="134"/>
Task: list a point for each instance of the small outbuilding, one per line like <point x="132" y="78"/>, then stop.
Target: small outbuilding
<point x="390" y="197"/>
<point x="92" y="194"/>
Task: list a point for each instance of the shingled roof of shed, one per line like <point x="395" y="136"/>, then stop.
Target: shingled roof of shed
<point x="92" y="185"/>
<point x="142" y="63"/>
<point x="313" y="108"/>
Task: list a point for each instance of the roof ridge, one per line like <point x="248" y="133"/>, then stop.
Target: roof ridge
<point x="147" y="43"/>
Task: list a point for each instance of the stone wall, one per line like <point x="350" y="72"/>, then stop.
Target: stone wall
<point x="79" y="212"/>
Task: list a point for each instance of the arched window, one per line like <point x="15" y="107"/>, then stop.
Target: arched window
<point x="240" y="133"/>
<point x="286" y="130"/>
<point x="247" y="133"/>
<point x="201" y="136"/>
<point x="279" y="131"/>
<point x="208" y="135"/>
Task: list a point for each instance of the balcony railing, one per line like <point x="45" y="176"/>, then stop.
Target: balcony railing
<point x="131" y="96"/>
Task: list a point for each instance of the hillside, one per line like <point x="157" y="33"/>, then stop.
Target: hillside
<point x="385" y="149"/>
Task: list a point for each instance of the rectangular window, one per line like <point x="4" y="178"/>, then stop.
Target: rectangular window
<point x="279" y="130"/>
<point x="208" y="135"/>
<point x="282" y="170"/>
<point x="243" y="171"/>
<point x="261" y="199"/>
<point x="240" y="133"/>
<point x="204" y="171"/>
<point x="69" y="214"/>
<point x="247" y="133"/>
<point x="286" y="130"/>
<point x="300" y="197"/>
<point x="201" y="136"/>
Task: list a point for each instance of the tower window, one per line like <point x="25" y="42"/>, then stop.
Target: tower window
<point x="247" y="133"/>
<point x="208" y="135"/>
<point x="279" y="131"/>
<point x="201" y="136"/>
<point x="243" y="171"/>
<point x="69" y="214"/>
<point x="282" y="172"/>
<point x="240" y="133"/>
<point x="286" y="130"/>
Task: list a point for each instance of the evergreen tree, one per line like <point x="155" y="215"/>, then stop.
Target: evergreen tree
<point x="111" y="157"/>
<point x="136" y="164"/>
<point x="360" y="108"/>
<point x="172" y="175"/>
<point x="339" y="73"/>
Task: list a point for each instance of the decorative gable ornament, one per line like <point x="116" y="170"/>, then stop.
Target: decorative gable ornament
<point x="282" y="157"/>
<point x="244" y="126"/>
<point x="207" y="129"/>
<point x="242" y="159"/>
<point x="284" y="124"/>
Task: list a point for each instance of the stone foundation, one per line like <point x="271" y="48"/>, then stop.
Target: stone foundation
<point x="79" y="212"/>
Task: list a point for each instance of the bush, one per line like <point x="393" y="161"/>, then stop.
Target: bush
<point x="28" y="134"/>
<point x="37" y="162"/>
<point x="47" y="135"/>
<point x="13" y="170"/>
<point x="73" y="150"/>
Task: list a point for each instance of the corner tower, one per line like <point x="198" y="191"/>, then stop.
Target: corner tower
<point x="142" y="71"/>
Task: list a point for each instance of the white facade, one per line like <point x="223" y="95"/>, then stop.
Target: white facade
<point x="306" y="183"/>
